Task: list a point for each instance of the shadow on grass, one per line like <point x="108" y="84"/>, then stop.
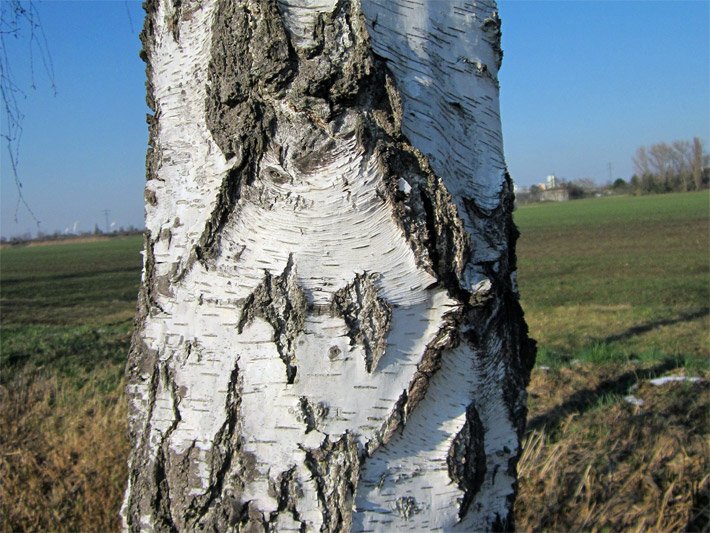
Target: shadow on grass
<point x="11" y="282"/>
<point x="66" y="351"/>
<point x="650" y="326"/>
<point x="585" y="399"/>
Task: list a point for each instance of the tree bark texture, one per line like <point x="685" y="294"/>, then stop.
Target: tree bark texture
<point x="328" y="336"/>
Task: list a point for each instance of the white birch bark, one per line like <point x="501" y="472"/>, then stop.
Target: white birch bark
<point x="328" y="335"/>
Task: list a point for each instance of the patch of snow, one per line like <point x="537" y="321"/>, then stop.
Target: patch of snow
<point x="633" y="400"/>
<point x="670" y="379"/>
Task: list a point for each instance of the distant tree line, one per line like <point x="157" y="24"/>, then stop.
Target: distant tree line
<point x="659" y="168"/>
<point x="676" y="167"/>
<point x="59" y="236"/>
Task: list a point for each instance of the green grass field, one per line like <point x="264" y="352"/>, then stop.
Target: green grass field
<point x="615" y="290"/>
<point x="620" y="277"/>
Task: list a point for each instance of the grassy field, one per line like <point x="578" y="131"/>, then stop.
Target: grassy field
<point x="616" y="291"/>
<point x="618" y="275"/>
<point x="66" y="313"/>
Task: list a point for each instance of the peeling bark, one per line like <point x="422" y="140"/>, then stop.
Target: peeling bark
<point x="328" y="334"/>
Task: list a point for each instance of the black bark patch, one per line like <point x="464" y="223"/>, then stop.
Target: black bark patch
<point x="466" y="459"/>
<point x="334" y="69"/>
<point x="231" y="468"/>
<point x="335" y="467"/>
<point x="427" y="215"/>
<point x="153" y="156"/>
<point x="251" y="58"/>
<point x="367" y="316"/>
<point x="282" y="303"/>
<point x="423" y="208"/>
<point x="311" y="413"/>
<point x="447" y="337"/>
<point x="286" y="491"/>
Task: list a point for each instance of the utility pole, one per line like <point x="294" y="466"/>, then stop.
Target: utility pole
<point x="106" y="213"/>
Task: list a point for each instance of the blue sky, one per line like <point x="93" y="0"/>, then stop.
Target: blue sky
<point x="583" y="85"/>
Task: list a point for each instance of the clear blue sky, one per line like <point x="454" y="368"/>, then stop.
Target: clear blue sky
<point x="583" y="84"/>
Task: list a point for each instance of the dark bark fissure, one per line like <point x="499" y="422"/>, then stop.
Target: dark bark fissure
<point x="446" y="338"/>
<point x="366" y="315"/>
<point x="253" y="63"/>
<point x="161" y="504"/>
<point x="286" y="490"/>
<point x="467" y="459"/>
<point x="498" y="318"/>
<point x="423" y="207"/>
<point x="164" y="460"/>
<point x="153" y="156"/>
<point x="142" y="365"/>
<point x="282" y="303"/>
<point x="311" y="413"/>
<point x="251" y="59"/>
<point x="335" y="467"/>
<point x="226" y="446"/>
<point x="500" y="313"/>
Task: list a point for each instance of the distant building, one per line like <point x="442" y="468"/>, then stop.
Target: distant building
<point x="558" y="194"/>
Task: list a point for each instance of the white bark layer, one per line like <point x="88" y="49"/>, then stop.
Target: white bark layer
<point x="328" y="335"/>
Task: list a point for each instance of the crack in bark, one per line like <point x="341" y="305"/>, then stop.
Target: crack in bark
<point x="446" y="338"/>
<point x="153" y="156"/>
<point x="161" y="503"/>
<point x="282" y="303"/>
<point x="286" y="490"/>
<point x="367" y="316"/>
<point x="500" y="314"/>
<point x="335" y="467"/>
<point x="141" y="360"/>
<point x="231" y="468"/>
<point x="466" y="459"/>
<point x="422" y="206"/>
<point x="251" y="57"/>
<point x="311" y="413"/>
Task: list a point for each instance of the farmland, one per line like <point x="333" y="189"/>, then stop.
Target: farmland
<point x="616" y="291"/>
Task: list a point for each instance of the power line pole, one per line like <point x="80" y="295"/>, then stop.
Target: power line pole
<point x="106" y="213"/>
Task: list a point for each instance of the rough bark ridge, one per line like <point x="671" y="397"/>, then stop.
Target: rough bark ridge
<point x="281" y="302"/>
<point x="328" y="333"/>
<point x="367" y="315"/>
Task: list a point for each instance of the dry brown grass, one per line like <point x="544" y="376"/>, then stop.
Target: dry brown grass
<point x="603" y="464"/>
<point x="64" y="449"/>
<point x="591" y="461"/>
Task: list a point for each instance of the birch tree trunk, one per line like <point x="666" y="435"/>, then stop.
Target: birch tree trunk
<point x="329" y="335"/>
